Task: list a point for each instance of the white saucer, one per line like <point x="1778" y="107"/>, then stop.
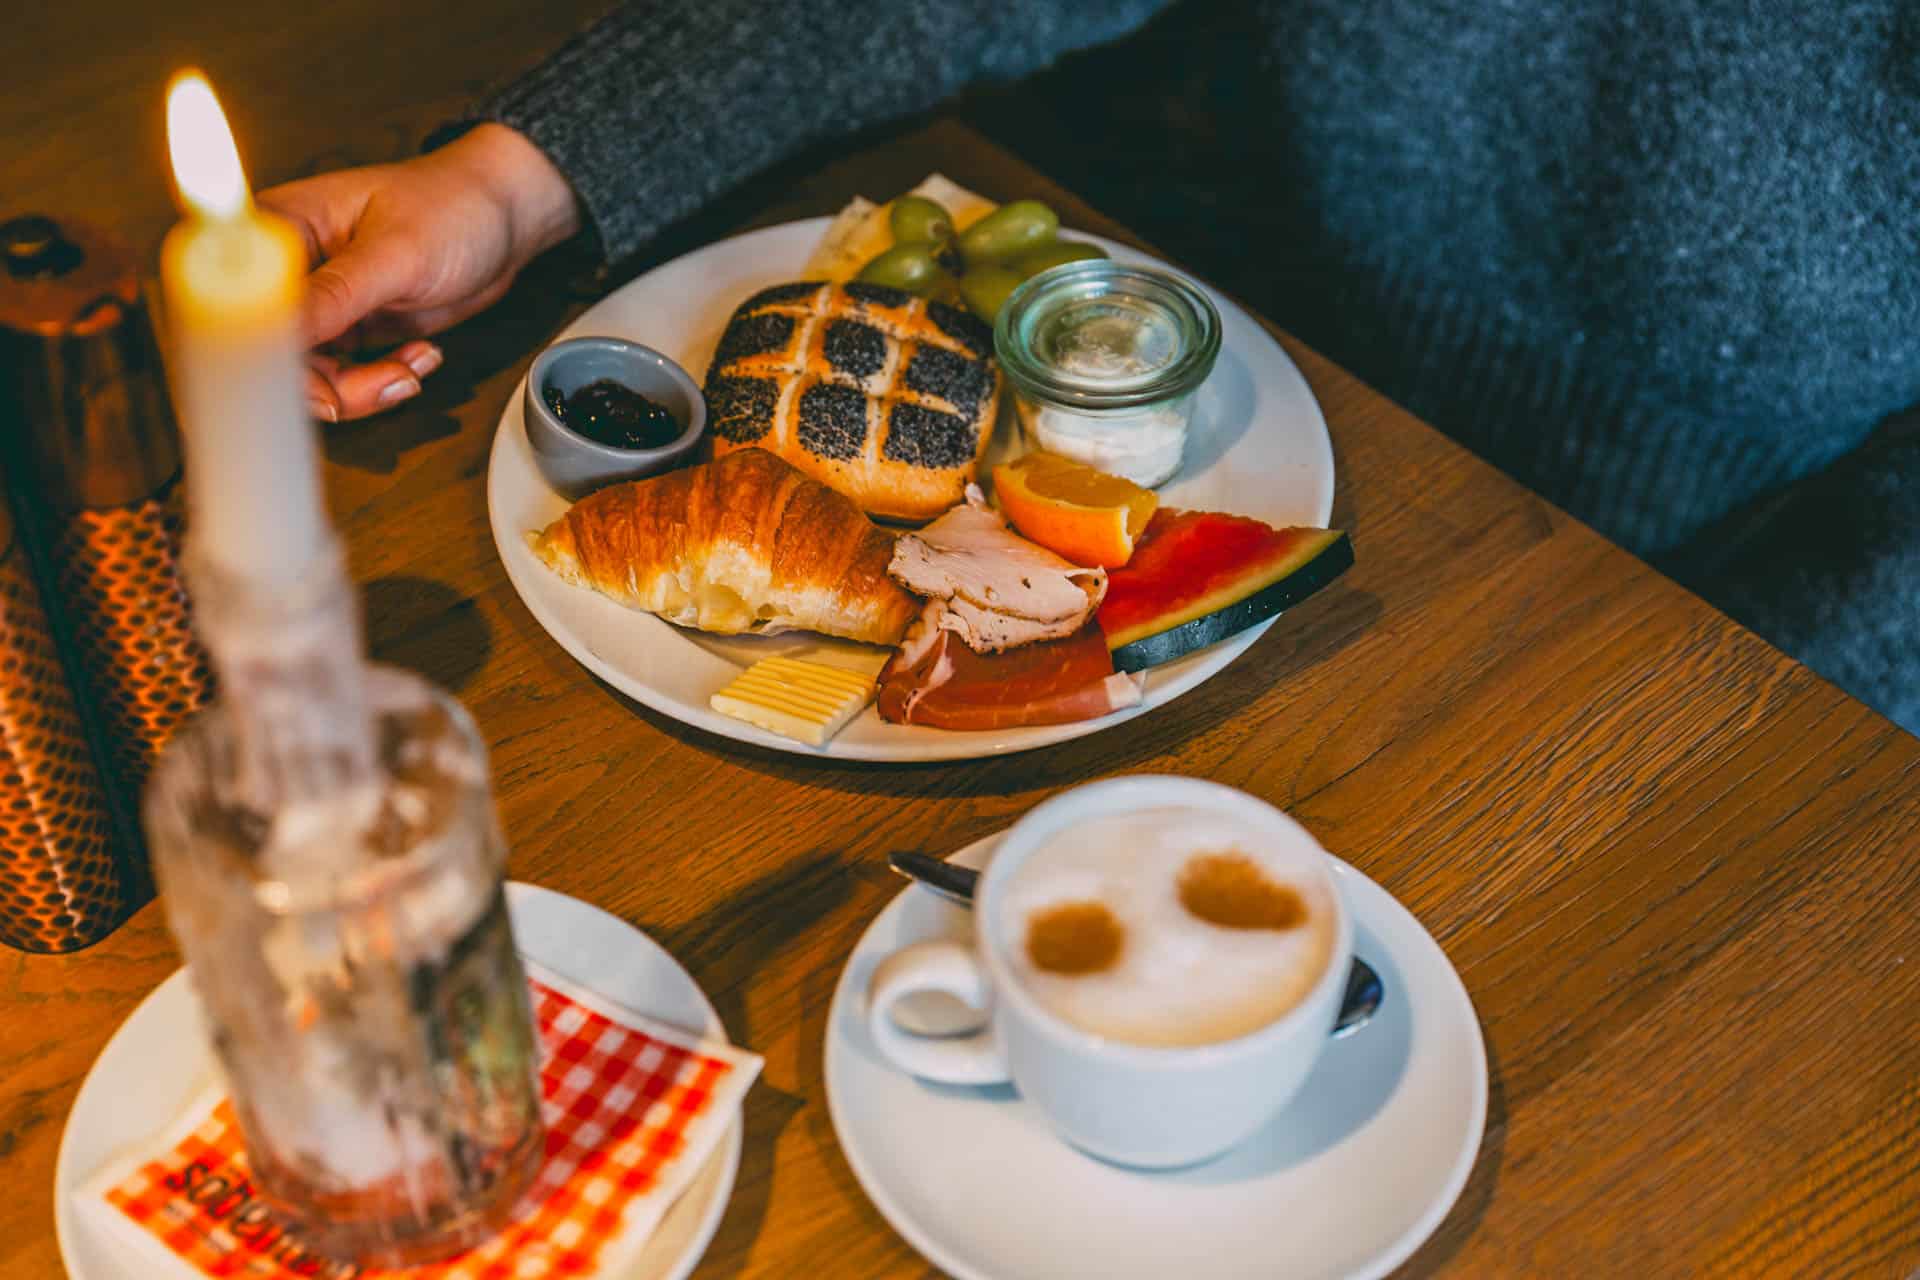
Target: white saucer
<point x="158" y="1061"/>
<point x="1347" y="1181"/>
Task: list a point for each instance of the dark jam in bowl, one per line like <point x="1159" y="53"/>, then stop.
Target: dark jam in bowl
<point x="608" y="413"/>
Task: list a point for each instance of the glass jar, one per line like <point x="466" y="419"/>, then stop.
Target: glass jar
<point x="1104" y="361"/>
<point x="358" y="978"/>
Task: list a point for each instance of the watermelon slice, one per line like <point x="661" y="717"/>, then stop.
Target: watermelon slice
<point x="1197" y="577"/>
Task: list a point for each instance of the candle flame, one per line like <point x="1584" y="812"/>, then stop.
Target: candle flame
<point x="206" y="164"/>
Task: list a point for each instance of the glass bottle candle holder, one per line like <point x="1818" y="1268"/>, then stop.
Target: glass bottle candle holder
<point x="352" y="954"/>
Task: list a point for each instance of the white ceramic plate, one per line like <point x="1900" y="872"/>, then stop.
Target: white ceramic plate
<point x="1259" y="447"/>
<point x="158" y="1061"/>
<point x="1347" y="1181"/>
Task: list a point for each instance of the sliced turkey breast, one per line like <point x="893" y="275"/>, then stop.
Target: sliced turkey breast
<point x="999" y="591"/>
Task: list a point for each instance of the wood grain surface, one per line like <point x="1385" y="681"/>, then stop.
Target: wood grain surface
<point x="1676" y="871"/>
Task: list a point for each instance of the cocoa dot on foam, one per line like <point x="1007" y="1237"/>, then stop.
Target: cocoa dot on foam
<point x="1230" y="890"/>
<point x="1075" y="938"/>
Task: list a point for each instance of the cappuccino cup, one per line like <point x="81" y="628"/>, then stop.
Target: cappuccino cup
<point x="1159" y="962"/>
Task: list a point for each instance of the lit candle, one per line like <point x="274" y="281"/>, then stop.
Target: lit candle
<point x="232" y="277"/>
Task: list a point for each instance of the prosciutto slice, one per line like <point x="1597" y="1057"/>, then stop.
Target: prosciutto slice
<point x="937" y="680"/>
<point x="998" y="591"/>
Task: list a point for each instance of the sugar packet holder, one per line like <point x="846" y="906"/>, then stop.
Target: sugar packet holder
<point x="633" y="1108"/>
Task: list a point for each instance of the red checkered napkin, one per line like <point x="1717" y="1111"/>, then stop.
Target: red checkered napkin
<point x="633" y="1108"/>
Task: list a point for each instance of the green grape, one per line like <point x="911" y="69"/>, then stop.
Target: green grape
<point x="905" y="266"/>
<point x="1008" y="231"/>
<point x="1034" y="261"/>
<point x="915" y="219"/>
<point x="985" y="288"/>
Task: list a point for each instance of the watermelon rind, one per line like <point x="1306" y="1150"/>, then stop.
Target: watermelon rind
<point x="1210" y="629"/>
<point x="1256" y="576"/>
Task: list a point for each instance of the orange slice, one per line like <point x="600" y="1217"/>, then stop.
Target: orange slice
<point x="1087" y="516"/>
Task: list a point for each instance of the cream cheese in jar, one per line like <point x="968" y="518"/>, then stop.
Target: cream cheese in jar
<point x="1105" y="360"/>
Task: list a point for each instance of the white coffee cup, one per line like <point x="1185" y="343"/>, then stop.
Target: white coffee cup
<point x="1150" y="1106"/>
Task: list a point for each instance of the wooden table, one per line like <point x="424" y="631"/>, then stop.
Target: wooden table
<point x="1674" y="869"/>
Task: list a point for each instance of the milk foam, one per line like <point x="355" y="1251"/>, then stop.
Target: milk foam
<point x="1178" y="980"/>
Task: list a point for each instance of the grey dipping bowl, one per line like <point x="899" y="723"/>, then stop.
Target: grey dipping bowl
<point x="575" y="465"/>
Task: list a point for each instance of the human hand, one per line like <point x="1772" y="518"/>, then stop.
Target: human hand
<point x="405" y="250"/>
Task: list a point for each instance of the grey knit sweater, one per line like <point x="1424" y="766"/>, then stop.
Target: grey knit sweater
<point x="1656" y="258"/>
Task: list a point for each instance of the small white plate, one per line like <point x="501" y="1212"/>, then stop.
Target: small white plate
<point x="158" y="1061"/>
<point x="1346" y="1182"/>
<point x="1259" y="448"/>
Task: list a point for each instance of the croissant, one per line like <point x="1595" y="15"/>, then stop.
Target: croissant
<point x="745" y="543"/>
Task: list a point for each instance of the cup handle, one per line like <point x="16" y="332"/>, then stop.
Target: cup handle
<point x="974" y="1058"/>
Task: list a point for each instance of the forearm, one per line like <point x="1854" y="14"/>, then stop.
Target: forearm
<point x="539" y="203"/>
<point x="660" y="107"/>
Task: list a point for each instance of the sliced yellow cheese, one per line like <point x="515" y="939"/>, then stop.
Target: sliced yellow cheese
<point x="806" y="701"/>
<point x="842" y="250"/>
<point x="860" y="232"/>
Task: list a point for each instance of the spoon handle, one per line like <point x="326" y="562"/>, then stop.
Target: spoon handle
<point x="952" y="882"/>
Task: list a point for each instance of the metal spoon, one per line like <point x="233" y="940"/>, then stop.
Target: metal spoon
<point x="1365" y="991"/>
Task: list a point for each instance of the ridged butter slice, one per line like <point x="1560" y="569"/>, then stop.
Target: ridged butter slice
<point x="806" y="701"/>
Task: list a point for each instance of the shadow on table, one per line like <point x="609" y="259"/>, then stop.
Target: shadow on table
<point x="816" y="1016"/>
<point x="376" y="444"/>
<point x="426" y="626"/>
<point x="726" y="947"/>
<point x="766" y="1112"/>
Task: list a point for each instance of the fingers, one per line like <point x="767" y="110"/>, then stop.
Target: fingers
<point x="313" y="206"/>
<point x="338" y="390"/>
<point x="391" y="328"/>
<point x="356" y="270"/>
<point x="322" y="401"/>
<point x="388" y="328"/>
<point x="369" y="273"/>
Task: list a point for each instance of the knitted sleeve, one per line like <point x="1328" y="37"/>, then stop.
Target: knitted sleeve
<point x="1830" y="570"/>
<point x="661" y="106"/>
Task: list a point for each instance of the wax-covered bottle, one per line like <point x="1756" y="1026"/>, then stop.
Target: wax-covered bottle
<point x="332" y="866"/>
<point x="324" y="834"/>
